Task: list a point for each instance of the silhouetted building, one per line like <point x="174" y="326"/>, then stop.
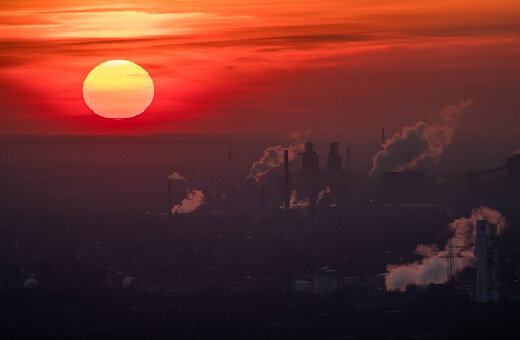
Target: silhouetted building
<point x="402" y="187"/>
<point x="512" y="171"/>
<point x="327" y="281"/>
<point x="513" y="168"/>
<point x="287" y="197"/>
<point x="402" y="180"/>
<point x="311" y="165"/>
<point x="334" y="161"/>
<point x="487" y="260"/>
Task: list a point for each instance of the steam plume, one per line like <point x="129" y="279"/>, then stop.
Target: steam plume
<point x="194" y="199"/>
<point x="433" y="266"/>
<point x="177" y="177"/>
<point x="424" y="140"/>
<point x="323" y="192"/>
<point x="273" y="156"/>
<point x="298" y="203"/>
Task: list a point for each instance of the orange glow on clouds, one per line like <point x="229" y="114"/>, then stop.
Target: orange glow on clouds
<point x="251" y="66"/>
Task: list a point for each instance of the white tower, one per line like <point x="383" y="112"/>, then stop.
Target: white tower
<point x="481" y="252"/>
<point x="487" y="261"/>
<point x="492" y="234"/>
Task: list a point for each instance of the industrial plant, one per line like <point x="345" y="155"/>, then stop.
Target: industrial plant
<point x="311" y="242"/>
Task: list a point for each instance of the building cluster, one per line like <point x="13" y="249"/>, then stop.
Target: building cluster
<point x="487" y="260"/>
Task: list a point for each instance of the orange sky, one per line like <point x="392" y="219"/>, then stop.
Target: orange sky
<point x="253" y="66"/>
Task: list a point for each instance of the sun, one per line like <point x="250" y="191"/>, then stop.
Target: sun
<point x="118" y="89"/>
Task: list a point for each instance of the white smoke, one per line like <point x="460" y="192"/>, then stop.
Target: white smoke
<point x="194" y="199"/>
<point x="298" y="203"/>
<point x="424" y="140"/>
<point x="433" y="266"/>
<point x="323" y="192"/>
<point x="274" y="156"/>
<point x="177" y="177"/>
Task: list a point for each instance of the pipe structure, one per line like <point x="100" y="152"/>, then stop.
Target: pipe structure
<point x="169" y="197"/>
<point x="287" y="197"/>
<point x="262" y="198"/>
<point x="348" y="160"/>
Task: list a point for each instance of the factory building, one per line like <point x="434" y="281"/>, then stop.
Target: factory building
<point x="334" y="162"/>
<point x="403" y="187"/>
<point x="310" y="161"/>
<point x="327" y="281"/>
<point x="312" y="183"/>
<point x="513" y="169"/>
<point x="404" y="179"/>
<point x="487" y="260"/>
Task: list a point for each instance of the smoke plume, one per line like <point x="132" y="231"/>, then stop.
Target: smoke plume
<point x="273" y="156"/>
<point x="298" y="203"/>
<point x="323" y="192"/>
<point x="177" y="177"/>
<point x="433" y="266"/>
<point x="194" y="199"/>
<point x="424" y="140"/>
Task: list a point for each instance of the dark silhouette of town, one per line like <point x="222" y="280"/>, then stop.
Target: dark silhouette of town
<point x="181" y="237"/>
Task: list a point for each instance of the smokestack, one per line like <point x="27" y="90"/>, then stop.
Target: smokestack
<point x="348" y="160"/>
<point x="229" y="156"/>
<point x="334" y="161"/>
<point x="313" y="206"/>
<point x="383" y="136"/>
<point x="487" y="258"/>
<point x="169" y="197"/>
<point x="262" y="197"/>
<point x="287" y="196"/>
<point x="481" y="251"/>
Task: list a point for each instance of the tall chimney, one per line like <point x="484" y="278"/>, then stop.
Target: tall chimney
<point x="348" y="160"/>
<point x="287" y="197"/>
<point x="262" y="198"/>
<point x="383" y="136"/>
<point x="229" y="167"/>
<point x="169" y="197"/>
<point x="481" y="252"/>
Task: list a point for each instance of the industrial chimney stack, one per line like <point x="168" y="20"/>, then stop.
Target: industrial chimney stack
<point x="287" y="197"/>
<point x="487" y="260"/>
<point x="348" y="160"/>
<point x="169" y="197"/>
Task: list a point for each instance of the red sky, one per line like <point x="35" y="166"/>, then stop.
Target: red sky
<point x="256" y="66"/>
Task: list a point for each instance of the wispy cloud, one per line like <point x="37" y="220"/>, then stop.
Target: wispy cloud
<point x="203" y="52"/>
